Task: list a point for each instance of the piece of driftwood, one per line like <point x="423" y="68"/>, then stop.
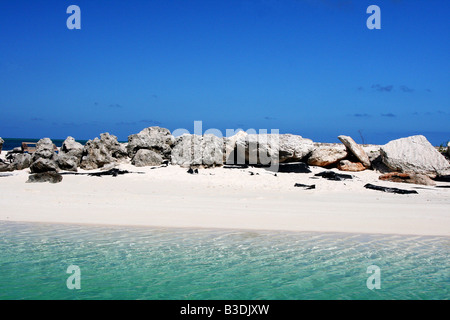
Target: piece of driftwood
<point x="331" y="175"/>
<point x="306" y="186"/>
<point x="389" y="190"/>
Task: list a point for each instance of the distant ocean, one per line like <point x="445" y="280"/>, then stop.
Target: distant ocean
<point x="11" y="143"/>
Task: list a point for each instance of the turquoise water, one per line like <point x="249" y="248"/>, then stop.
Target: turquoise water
<point x="156" y="263"/>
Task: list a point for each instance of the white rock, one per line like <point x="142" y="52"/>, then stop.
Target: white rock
<point x="414" y="154"/>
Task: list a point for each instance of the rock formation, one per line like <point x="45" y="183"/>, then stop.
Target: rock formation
<point x="268" y="148"/>
<point x="157" y="139"/>
<point x="356" y="150"/>
<point x="414" y="154"/>
<point x="51" y="177"/>
<point x="100" y="152"/>
<point x="346" y="165"/>
<point x="408" y="178"/>
<point x="194" y="150"/>
<point x="326" y="156"/>
<point x="145" y="157"/>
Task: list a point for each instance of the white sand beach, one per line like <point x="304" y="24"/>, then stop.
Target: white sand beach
<point x="228" y="198"/>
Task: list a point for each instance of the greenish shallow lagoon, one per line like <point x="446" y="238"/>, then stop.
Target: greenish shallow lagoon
<point x="158" y="263"/>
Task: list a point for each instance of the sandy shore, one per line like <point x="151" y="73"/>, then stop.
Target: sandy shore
<point x="227" y="198"/>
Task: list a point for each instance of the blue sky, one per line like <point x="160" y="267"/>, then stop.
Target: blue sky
<point x="305" y="67"/>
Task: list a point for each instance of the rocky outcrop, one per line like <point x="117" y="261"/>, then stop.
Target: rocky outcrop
<point x="414" y="154"/>
<point x="145" y="157"/>
<point x="45" y="149"/>
<point x="44" y="158"/>
<point x="268" y="148"/>
<point x="448" y="149"/>
<point x="100" y="152"/>
<point x="70" y="154"/>
<point x="51" y="177"/>
<point x="71" y="147"/>
<point x="326" y="156"/>
<point x="355" y="149"/>
<point x="43" y="165"/>
<point x="194" y="150"/>
<point x="157" y="139"/>
<point x="1" y="144"/>
<point x="67" y="162"/>
<point x="346" y="165"/>
<point x="408" y="178"/>
<point x="21" y="161"/>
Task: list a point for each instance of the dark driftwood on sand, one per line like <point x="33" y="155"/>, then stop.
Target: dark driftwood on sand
<point x="112" y="172"/>
<point x="331" y="175"/>
<point x="306" y="186"/>
<point x="390" y="190"/>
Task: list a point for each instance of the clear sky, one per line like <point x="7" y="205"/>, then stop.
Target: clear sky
<point x="307" y="67"/>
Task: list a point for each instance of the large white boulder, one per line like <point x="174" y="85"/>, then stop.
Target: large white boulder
<point x="414" y="154"/>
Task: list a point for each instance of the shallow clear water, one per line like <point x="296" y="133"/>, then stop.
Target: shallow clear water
<point x="156" y="263"/>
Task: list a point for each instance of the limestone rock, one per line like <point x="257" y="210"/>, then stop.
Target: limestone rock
<point x="194" y="150"/>
<point x="356" y="150"/>
<point x="100" y="152"/>
<point x="67" y="162"/>
<point x="324" y="156"/>
<point x="21" y="161"/>
<point x="414" y="154"/>
<point x="45" y="149"/>
<point x="408" y="178"/>
<point x="160" y="140"/>
<point x="346" y="165"/>
<point x="145" y="157"/>
<point x="51" y="177"/>
<point x="72" y="148"/>
<point x="43" y="165"/>
<point x="268" y="148"/>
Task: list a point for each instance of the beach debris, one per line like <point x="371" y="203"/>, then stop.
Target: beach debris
<point x="326" y="156"/>
<point x="293" y="167"/>
<point x="306" y="186"/>
<point x="407" y="178"/>
<point x="195" y="150"/>
<point x="346" y="165"/>
<point x="158" y="139"/>
<point x="192" y="171"/>
<point x="389" y="190"/>
<point x="236" y="166"/>
<point x="253" y="174"/>
<point x="2" y="175"/>
<point x="100" y="152"/>
<point x="356" y="150"/>
<point x="112" y="172"/>
<point x="146" y="157"/>
<point x="414" y="154"/>
<point x="52" y="177"/>
<point x="43" y="165"/>
<point x="443" y="178"/>
<point x="333" y="176"/>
